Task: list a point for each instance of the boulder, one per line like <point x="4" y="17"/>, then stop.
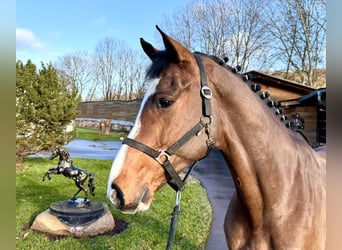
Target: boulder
<point x="49" y="223"/>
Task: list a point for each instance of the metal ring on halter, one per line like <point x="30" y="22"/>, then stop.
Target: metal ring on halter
<point x="206" y="92"/>
<point x="163" y="157"/>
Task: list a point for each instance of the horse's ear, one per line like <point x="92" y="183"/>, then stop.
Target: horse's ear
<point x="176" y="51"/>
<point x="149" y="49"/>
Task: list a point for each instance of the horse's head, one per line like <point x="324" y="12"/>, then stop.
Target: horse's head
<point x="170" y="128"/>
<point x="56" y="152"/>
<point x="63" y="155"/>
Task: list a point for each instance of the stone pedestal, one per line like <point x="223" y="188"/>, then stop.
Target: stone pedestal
<point x="75" y="218"/>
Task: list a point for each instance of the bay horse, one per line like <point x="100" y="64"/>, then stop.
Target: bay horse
<point x="67" y="169"/>
<point x="194" y="103"/>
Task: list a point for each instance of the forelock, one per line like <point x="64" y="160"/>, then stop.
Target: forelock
<point x="157" y="66"/>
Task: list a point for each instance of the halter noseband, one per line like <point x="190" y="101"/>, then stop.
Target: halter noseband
<point x="163" y="156"/>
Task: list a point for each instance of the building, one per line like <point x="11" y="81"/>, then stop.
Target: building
<point x="294" y="98"/>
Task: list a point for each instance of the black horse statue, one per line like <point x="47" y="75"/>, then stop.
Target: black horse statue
<point x="66" y="168"/>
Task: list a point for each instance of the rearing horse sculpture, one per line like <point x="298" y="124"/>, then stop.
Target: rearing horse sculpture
<point x="66" y="168"/>
<point x="192" y="104"/>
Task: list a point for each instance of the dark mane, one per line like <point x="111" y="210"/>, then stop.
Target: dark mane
<point x="295" y="122"/>
<point x="217" y="60"/>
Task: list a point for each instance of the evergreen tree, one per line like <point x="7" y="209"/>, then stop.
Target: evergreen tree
<point x="45" y="104"/>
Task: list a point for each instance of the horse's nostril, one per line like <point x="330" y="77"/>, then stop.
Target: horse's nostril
<point x="146" y="195"/>
<point x="114" y="199"/>
<point x="117" y="196"/>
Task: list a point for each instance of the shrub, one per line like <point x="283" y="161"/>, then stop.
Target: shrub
<point x="45" y="104"/>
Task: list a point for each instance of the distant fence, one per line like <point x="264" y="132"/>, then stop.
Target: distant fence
<point x="115" y="110"/>
<point x="94" y="123"/>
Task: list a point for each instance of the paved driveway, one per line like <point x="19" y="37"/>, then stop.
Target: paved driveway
<point x="215" y="177"/>
<point x="78" y="148"/>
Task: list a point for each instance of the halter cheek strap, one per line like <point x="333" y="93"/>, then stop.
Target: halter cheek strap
<point x="205" y="90"/>
<point x="163" y="156"/>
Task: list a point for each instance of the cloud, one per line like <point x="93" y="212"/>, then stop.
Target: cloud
<point x="25" y="39"/>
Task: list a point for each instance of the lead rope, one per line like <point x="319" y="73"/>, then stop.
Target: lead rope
<point x="176" y="212"/>
<point x="174" y="221"/>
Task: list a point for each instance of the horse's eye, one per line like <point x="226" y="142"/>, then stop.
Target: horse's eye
<point x="164" y="103"/>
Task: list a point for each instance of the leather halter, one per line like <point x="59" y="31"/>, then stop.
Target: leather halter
<point x="163" y="156"/>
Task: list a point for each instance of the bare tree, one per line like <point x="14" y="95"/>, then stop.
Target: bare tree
<point x="257" y="34"/>
<point x="75" y="68"/>
<point x="247" y="40"/>
<point x="137" y="79"/>
<point x="298" y="29"/>
<point x="117" y="71"/>
<point x="224" y="28"/>
<point x="104" y="66"/>
<point x="125" y="72"/>
<point x="181" y="26"/>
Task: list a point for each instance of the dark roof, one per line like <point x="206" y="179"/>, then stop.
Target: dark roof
<point x="317" y="96"/>
<point x="256" y="76"/>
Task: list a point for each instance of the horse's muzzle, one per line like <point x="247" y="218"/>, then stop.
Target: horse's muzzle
<point x="141" y="203"/>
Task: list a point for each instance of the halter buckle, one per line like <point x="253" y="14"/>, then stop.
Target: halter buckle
<point x="163" y="157"/>
<point x="206" y="92"/>
<point x="205" y="121"/>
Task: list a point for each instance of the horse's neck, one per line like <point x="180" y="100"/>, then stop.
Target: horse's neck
<point x="256" y="146"/>
<point x="65" y="158"/>
<point x="64" y="162"/>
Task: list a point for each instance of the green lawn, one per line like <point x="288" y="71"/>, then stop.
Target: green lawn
<point x="147" y="230"/>
<point x="95" y="135"/>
